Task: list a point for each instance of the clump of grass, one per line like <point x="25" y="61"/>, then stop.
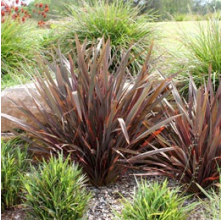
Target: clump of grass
<point x="118" y="20"/>
<point x="19" y="45"/>
<point x="203" y="49"/>
<point x="14" y="162"/>
<point x="55" y="190"/>
<point x="155" y="201"/>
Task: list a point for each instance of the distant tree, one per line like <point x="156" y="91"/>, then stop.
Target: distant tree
<point x="166" y="6"/>
<point x="215" y="4"/>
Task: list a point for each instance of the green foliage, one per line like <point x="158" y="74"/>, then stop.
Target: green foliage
<point x="19" y="45"/>
<point x="213" y="207"/>
<point x="47" y="38"/>
<point x="55" y="190"/>
<point x="94" y="114"/>
<point x="8" y="80"/>
<point x="118" y="20"/>
<point x="14" y="163"/>
<point x="203" y="49"/>
<point x="168" y="9"/>
<point x="196" y="137"/>
<point x="179" y="17"/>
<point x="189" y="17"/>
<point x="155" y="201"/>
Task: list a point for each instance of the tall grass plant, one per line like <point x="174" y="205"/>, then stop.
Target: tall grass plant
<point x="118" y="20"/>
<point x="19" y="45"/>
<point x="203" y="49"/>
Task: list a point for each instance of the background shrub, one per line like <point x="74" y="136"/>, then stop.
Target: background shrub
<point x="55" y="190"/>
<point x="155" y="201"/>
<point x="14" y="162"/>
<point x="57" y="8"/>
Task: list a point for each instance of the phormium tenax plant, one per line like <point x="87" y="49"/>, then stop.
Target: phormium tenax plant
<point x="96" y="115"/>
<point x="195" y="136"/>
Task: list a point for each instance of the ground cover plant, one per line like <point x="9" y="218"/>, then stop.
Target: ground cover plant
<point x="213" y="206"/>
<point x="118" y="20"/>
<point x="202" y="49"/>
<point x="196" y="137"/>
<point x="93" y="114"/>
<point x="14" y="162"/>
<point x="9" y="80"/>
<point x="55" y="190"/>
<point x="156" y="201"/>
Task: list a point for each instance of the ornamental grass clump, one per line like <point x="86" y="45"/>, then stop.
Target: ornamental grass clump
<point x="19" y="45"/>
<point x="14" y="162"/>
<point x="120" y="21"/>
<point x="196" y="138"/>
<point x="202" y="49"/>
<point x="94" y="115"/>
<point x="155" y="201"/>
<point x="55" y="190"/>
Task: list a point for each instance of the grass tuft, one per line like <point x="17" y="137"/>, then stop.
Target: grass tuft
<point x="155" y="201"/>
<point x="55" y="190"/>
<point x="19" y="45"/>
<point x="202" y="50"/>
<point x="118" y="20"/>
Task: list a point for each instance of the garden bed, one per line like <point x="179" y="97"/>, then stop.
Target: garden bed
<point x="108" y="198"/>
